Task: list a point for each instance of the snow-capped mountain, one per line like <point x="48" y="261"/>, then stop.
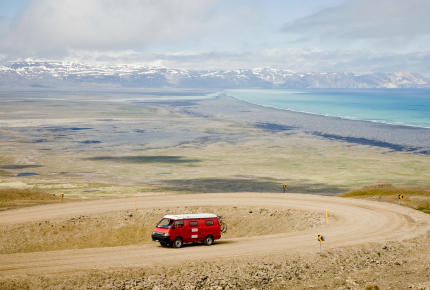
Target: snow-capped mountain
<point x="68" y="74"/>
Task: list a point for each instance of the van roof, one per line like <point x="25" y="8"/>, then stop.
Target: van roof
<point x="190" y="216"/>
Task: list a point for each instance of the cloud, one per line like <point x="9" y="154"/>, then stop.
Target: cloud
<point x="355" y="61"/>
<point x="384" y="24"/>
<point x="56" y="26"/>
<point x="3" y="24"/>
<point x="358" y="36"/>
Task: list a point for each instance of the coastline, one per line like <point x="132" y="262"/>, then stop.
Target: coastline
<point x="331" y="116"/>
<point x="398" y="138"/>
<point x="379" y="110"/>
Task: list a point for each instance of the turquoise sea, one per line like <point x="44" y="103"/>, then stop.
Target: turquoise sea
<point x="408" y="107"/>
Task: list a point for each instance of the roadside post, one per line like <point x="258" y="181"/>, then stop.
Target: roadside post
<point x="321" y="238"/>
<point x="62" y="195"/>
<point x="326" y="214"/>
<point x="135" y="203"/>
<point x="400" y="198"/>
<point x="285" y="186"/>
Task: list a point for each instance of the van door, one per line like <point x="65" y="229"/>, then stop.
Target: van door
<point x="193" y="231"/>
<point x="177" y="230"/>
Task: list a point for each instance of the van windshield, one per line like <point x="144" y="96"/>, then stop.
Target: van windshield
<point x="165" y="223"/>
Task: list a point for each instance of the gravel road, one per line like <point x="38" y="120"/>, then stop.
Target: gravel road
<point x="357" y="222"/>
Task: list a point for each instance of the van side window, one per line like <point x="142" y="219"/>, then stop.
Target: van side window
<point x="209" y="223"/>
<point x="193" y="224"/>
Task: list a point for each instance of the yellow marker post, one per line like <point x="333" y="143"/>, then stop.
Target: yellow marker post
<point x="321" y="238"/>
<point x="135" y="203"/>
<point x="326" y="214"/>
<point x="285" y="186"/>
<point x="62" y="195"/>
<point x="400" y="198"/>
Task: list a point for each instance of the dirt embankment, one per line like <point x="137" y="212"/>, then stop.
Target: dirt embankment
<point x="135" y="227"/>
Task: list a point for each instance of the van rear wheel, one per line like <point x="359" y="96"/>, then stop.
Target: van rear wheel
<point x="209" y="240"/>
<point x="177" y="243"/>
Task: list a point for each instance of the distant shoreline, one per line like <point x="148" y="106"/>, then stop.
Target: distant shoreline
<point x="403" y="107"/>
<point x="397" y="138"/>
<point x="344" y="118"/>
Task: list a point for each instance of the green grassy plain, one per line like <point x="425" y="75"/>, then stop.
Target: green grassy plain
<point x="13" y="197"/>
<point x="415" y="197"/>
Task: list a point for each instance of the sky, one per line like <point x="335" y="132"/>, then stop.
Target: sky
<point x="358" y="36"/>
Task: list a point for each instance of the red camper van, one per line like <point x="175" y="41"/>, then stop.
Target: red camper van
<point x="188" y="228"/>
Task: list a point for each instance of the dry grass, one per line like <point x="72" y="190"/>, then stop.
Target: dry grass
<point x="12" y="197"/>
<point x="416" y="197"/>
<point x="135" y="227"/>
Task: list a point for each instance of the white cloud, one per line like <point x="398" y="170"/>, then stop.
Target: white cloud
<point x="56" y="26"/>
<point x="386" y="25"/>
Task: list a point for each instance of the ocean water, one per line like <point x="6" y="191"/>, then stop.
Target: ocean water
<point x="135" y="98"/>
<point x="408" y="107"/>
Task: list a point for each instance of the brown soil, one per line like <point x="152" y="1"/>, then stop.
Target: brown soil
<point x="369" y="244"/>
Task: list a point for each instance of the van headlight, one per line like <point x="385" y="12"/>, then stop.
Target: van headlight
<point x="162" y="234"/>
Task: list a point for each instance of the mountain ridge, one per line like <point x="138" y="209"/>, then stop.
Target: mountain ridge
<point x="71" y="74"/>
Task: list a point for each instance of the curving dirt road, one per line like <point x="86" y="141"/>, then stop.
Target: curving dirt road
<point x="357" y="222"/>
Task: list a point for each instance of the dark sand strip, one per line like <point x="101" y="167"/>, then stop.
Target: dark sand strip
<point x="392" y="137"/>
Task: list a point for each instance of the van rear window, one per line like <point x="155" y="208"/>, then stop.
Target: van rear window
<point x="209" y="223"/>
<point x="193" y="224"/>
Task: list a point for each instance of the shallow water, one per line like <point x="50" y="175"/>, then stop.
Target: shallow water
<point x="27" y="174"/>
<point x="409" y="107"/>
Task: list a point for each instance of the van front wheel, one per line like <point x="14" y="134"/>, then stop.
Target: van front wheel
<point x="209" y="240"/>
<point x="177" y="243"/>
